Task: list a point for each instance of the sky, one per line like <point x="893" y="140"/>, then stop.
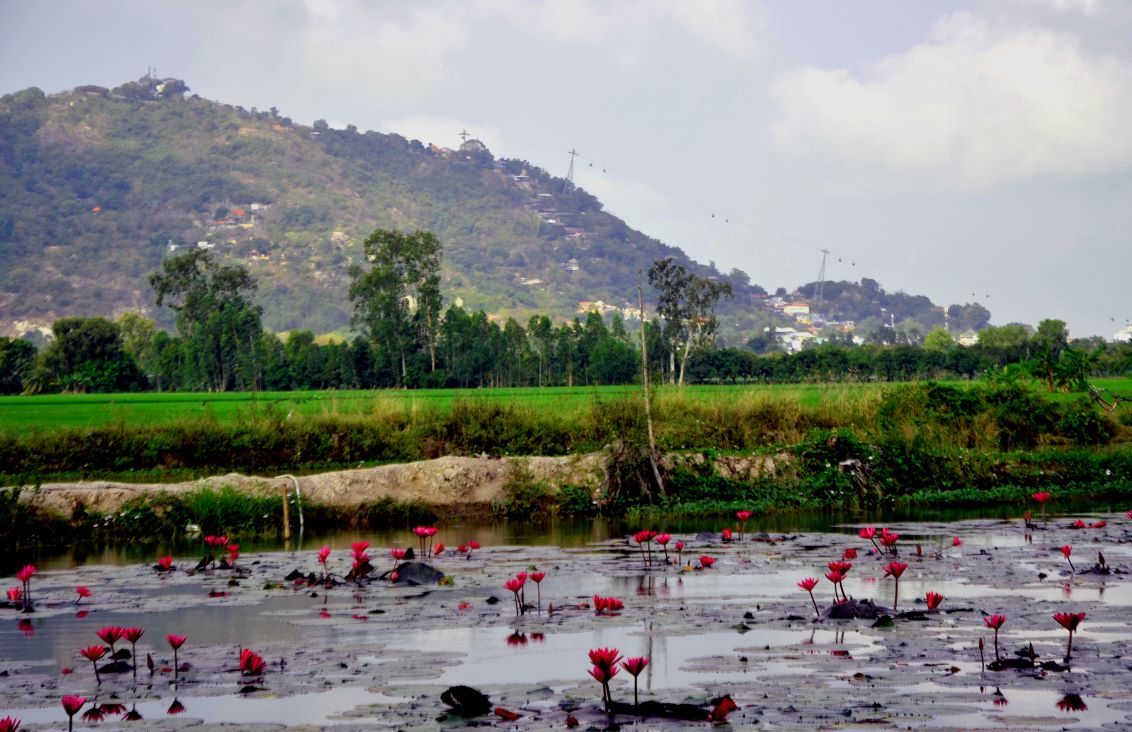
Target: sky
<point x="976" y="151"/>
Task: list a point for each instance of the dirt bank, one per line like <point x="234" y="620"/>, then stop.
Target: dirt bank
<point x="447" y="483"/>
<point x="443" y="483"/>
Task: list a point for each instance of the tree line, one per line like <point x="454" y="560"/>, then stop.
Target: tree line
<point x="406" y="338"/>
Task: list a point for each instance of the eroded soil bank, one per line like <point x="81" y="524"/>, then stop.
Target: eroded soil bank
<point x="450" y="484"/>
<point x="379" y="655"/>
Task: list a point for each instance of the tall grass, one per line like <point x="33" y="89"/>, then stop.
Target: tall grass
<point x="928" y="418"/>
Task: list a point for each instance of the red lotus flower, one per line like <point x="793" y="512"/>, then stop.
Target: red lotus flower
<point x="808" y="585"/>
<point x="233" y="553"/>
<point x="933" y="599"/>
<point x="742" y="515"/>
<point x="323" y="555"/>
<point x="869" y="532"/>
<point x="894" y="570"/>
<point x="251" y="663"/>
<point x="1128" y="515"/>
<point x="841" y="566"/>
<point x="1098" y="524"/>
<point x="1067" y="550"/>
<point x="836" y="578"/>
<point x="635" y="666"/>
<point x="438" y="549"/>
<point x="849" y="553"/>
<point x="1041" y="498"/>
<point x="604" y="657"/>
<point x="607" y="605"/>
<point x="94" y="654"/>
<point x="706" y="561"/>
<point x="956" y="541"/>
<point x="175" y="641"/>
<point x="473" y="544"/>
<point x="516" y="586"/>
<point x="603" y="675"/>
<point x="398" y="553"/>
<point x="9" y="724"/>
<point x="995" y="622"/>
<point x="110" y="635"/>
<point x="722" y="708"/>
<point x="26" y="573"/>
<point x="662" y="539"/>
<point x="521" y="576"/>
<point x="164" y="564"/>
<point x="889" y="539"/>
<point x="83" y="592"/>
<point x="72" y="705"/>
<point x="537" y="578"/>
<point x="1079" y="524"/>
<point x="727" y="534"/>
<point x="133" y="635"/>
<point x="462" y="548"/>
<point x="14" y="594"/>
<point x="1069" y="621"/>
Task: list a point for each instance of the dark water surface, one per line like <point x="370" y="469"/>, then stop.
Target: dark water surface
<point x="563" y="533"/>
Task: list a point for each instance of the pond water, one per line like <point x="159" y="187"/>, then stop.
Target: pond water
<point x="567" y="533"/>
<point x="377" y="656"/>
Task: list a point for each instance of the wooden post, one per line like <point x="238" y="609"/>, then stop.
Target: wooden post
<point x="286" y="515"/>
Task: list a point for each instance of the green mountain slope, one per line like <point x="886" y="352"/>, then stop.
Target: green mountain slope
<point x="97" y="186"/>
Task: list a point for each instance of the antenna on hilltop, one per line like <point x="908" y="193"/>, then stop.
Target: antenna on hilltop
<point x="570" y="173"/>
<point x="464" y="135"/>
<point x="819" y="292"/>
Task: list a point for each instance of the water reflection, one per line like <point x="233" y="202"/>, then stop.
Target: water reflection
<point x="564" y="533"/>
<point x="1072" y="703"/>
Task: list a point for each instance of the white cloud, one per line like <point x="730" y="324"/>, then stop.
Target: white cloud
<point x="730" y="26"/>
<point x="974" y="106"/>
<point x="1086" y="7"/>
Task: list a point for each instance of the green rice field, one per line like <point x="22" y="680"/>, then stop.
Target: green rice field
<point x="52" y="411"/>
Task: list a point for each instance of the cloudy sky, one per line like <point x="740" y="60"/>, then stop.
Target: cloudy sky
<point x="972" y="151"/>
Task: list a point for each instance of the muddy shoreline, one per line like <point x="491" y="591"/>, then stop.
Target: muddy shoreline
<point x="379" y="656"/>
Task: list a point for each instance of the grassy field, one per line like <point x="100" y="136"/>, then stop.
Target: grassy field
<point x="51" y="411"/>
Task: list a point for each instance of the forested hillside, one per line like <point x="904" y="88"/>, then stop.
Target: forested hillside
<point x="97" y="186"/>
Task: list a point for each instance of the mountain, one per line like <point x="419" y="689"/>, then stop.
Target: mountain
<point x="98" y="185"/>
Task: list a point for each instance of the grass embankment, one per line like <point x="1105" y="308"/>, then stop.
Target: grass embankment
<point x="831" y="446"/>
